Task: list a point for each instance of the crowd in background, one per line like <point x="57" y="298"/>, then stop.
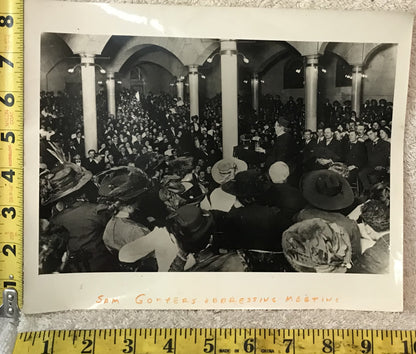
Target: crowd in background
<point x="276" y="162"/>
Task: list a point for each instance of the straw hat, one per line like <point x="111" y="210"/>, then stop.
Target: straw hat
<point x="225" y="170"/>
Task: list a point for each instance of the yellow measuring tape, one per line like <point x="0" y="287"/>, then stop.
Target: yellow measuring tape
<point x="195" y="341"/>
<point x="11" y="146"/>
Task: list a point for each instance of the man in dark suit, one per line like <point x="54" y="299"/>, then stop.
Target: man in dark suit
<point x="378" y="157"/>
<point x="332" y="144"/>
<point x="355" y="155"/>
<point x="329" y="150"/>
<point x="93" y="164"/>
<point x="307" y="150"/>
<point x="285" y="148"/>
<point x="79" y="143"/>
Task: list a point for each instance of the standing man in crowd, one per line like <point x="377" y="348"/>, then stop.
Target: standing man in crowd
<point x="285" y="148"/>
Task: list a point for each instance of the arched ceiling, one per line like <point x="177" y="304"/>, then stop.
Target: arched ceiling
<point x="353" y="53"/>
<point x="158" y="56"/>
<point x="189" y="51"/>
<point x="175" y="54"/>
<point x="262" y="53"/>
<point x="373" y="52"/>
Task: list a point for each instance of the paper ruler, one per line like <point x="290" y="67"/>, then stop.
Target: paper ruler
<point x="195" y="341"/>
<point x="11" y="146"/>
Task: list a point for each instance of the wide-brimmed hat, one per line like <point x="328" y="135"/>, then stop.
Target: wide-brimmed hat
<point x="181" y="165"/>
<point x="250" y="183"/>
<point x="192" y="227"/>
<point x="326" y="190"/>
<point x="224" y="170"/>
<point x="176" y="192"/>
<point x="123" y="183"/>
<point x="62" y="181"/>
<point x="316" y="245"/>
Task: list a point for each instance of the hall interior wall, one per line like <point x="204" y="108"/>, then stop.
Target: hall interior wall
<point x="378" y="84"/>
<point x="380" y="73"/>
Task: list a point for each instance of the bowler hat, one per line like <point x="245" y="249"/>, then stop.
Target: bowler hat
<point x="326" y="190"/>
<point x="192" y="227"/>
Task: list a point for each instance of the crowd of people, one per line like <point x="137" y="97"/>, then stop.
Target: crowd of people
<point x="157" y="195"/>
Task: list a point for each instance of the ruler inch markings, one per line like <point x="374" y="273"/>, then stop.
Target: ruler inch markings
<point x="301" y="341"/>
<point x="11" y="78"/>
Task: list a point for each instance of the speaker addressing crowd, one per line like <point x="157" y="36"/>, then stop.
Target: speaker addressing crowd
<point x="158" y="196"/>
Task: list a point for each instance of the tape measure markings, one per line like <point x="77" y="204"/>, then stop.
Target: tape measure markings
<point x="179" y="341"/>
<point x="11" y="145"/>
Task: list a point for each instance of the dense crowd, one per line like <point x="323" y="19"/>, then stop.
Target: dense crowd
<point x="291" y="199"/>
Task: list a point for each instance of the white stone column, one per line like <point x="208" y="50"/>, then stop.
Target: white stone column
<point x="229" y="94"/>
<point x="180" y="89"/>
<point x="356" y="89"/>
<point x="111" y="93"/>
<point x="311" y="91"/>
<point x="255" y="92"/>
<point x="89" y="104"/>
<point x="194" y="90"/>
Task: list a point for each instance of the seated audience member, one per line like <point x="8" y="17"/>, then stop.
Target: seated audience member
<point x="281" y="194"/>
<point x="375" y="241"/>
<point x="378" y="160"/>
<point x="82" y="221"/>
<point x="222" y="172"/>
<point x="93" y="163"/>
<point x="123" y="187"/>
<point x="329" y="150"/>
<point x="328" y="193"/>
<point x="186" y="244"/>
<point x="361" y="132"/>
<point x="355" y="155"/>
<point x="385" y="133"/>
<point x="254" y="225"/>
<point x="308" y="150"/>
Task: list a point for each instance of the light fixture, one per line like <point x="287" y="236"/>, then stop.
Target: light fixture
<point x="298" y="71"/>
<point x="323" y="70"/>
<point x="245" y="81"/>
<point x="203" y="76"/>
<point x="245" y="59"/>
<point x="119" y="82"/>
<point x="229" y="52"/>
<point x="72" y="70"/>
<point x="262" y="81"/>
<point x="99" y="82"/>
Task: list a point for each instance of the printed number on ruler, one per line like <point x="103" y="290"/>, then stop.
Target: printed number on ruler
<point x="11" y="144"/>
<point x="200" y="341"/>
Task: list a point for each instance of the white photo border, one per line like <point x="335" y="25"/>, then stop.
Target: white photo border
<point x="55" y="292"/>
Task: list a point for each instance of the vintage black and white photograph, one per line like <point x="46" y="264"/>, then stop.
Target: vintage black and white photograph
<point x="178" y="159"/>
<point x="178" y="154"/>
